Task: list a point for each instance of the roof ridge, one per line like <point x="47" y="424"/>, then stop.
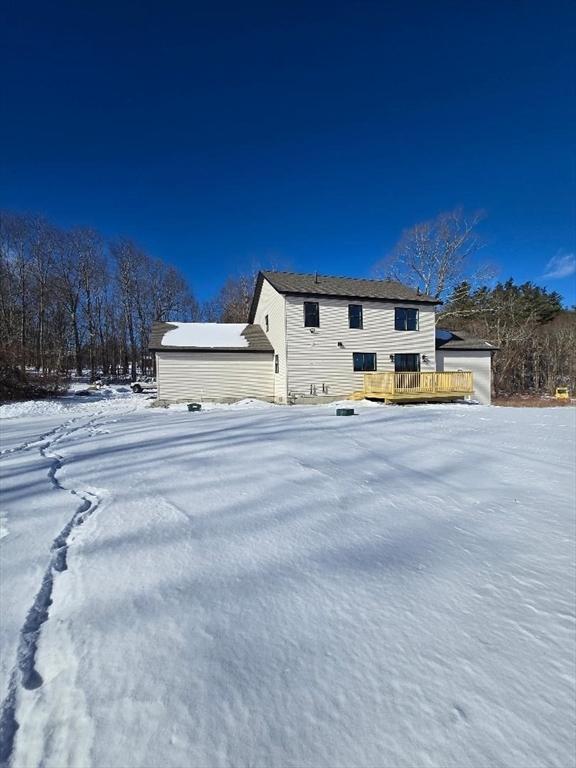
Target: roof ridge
<point x="335" y="277"/>
<point x="198" y="322"/>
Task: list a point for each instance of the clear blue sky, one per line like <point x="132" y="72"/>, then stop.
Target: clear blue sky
<point x="302" y="135"/>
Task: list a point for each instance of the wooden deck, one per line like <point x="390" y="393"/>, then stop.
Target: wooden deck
<point x="418" y="386"/>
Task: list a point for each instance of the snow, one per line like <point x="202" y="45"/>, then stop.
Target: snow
<point x="107" y="398"/>
<point x="257" y="585"/>
<point x="206" y="335"/>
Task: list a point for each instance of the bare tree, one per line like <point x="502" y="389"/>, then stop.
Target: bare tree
<point x="16" y="257"/>
<point x="42" y="261"/>
<point x="434" y="256"/>
<point x="128" y="261"/>
<point x="70" y="285"/>
<point x="93" y="275"/>
<point x="232" y="304"/>
<point x="149" y="290"/>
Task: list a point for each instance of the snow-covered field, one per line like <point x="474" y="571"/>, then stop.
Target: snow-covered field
<point x="258" y="586"/>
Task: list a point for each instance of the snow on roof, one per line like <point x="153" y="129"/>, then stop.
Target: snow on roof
<point x="206" y="335"/>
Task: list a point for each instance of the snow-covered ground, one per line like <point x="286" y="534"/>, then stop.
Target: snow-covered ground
<point x="266" y="586"/>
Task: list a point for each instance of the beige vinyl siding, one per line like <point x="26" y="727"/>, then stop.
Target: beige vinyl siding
<point x="315" y="359"/>
<point x="214" y="375"/>
<point x="479" y="362"/>
<point x="273" y="304"/>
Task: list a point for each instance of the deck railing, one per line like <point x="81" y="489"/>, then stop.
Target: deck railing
<point x="418" y="383"/>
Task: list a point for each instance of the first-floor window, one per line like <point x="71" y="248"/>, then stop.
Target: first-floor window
<point x="276" y="364"/>
<point x="364" y="361"/>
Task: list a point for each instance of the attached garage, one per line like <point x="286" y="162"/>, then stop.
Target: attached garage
<point x="457" y="351"/>
<point x="212" y="361"/>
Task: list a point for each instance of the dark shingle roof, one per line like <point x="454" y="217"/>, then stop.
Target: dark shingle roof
<point x="460" y="340"/>
<point x="255" y="336"/>
<point x="292" y="283"/>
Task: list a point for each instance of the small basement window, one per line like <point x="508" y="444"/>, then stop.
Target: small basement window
<point x="405" y="319"/>
<point x="355" y="319"/>
<point x="364" y="361"/>
<point x="311" y="314"/>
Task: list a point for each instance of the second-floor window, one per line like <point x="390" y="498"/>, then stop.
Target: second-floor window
<point x="405" y="319"/>
<point x="311" y="314"/>
<point x="355" y="319"/>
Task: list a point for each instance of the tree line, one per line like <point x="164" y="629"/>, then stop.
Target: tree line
<point x="71" y="301"/>
<point x="534" y="334"/>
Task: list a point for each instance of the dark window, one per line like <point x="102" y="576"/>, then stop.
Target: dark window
<point x="355" y="319"/>
<point x="364" y="361"/>
<point x="405" y="319"/>
<point x="276" y="364"/>
<point x="267" y="323"/>
<point x="405" y="363"/>
<point x="311" y="314"/>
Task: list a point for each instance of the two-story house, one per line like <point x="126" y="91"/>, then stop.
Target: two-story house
<point x="311" y="338"/>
